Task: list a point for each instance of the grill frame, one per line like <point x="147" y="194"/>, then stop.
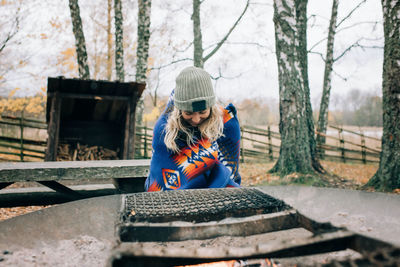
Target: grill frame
<point x="326" y="238"/>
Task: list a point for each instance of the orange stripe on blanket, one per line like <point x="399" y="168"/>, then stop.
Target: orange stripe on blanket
<point x="154" y="187"/>
<point x="227" y="115"/>
<point x="196" y="159"/>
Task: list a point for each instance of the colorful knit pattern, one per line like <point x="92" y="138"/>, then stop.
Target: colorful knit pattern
<point x="203" y="165"/>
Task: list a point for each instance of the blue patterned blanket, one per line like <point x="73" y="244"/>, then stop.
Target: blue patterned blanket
<point x="204" y="165"/>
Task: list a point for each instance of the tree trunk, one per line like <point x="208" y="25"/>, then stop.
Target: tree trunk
<point x="119" y="41"/>
<point x="301" y="23"/>
<point x="387" y="177"/>
<point x="326" y="91"/>
<point x="295" y="154"/>
<point x="198" y="57"/>
<point x="143" y="39"/>
<point x="197" y="37"/>
<point x="79" y="40"/>
<point x="142" y="55"/>
<point x="109" y="41"/>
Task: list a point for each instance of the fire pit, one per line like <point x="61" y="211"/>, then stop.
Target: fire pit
<point x="235" y="227"/>
<point x="190" y="227"/>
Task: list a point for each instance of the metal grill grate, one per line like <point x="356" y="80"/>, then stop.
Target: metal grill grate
<point x="198" y="205"/>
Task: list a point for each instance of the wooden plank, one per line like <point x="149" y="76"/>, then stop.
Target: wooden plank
<point x="126" y="133"/>
<point x="73" y="170"/>
<point x="53" y="128"/>
<point x="132" y="123"/>
<point x="4" y="185"/>
<point x="71" y="194"/>
<point x="39" y="196"/>
<point x="88" y="96"/>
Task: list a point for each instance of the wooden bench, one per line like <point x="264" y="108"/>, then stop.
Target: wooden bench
<point x="127" y="175"/>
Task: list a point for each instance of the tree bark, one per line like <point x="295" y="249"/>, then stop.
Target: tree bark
<point x="295" y="154"/>
<point x="109" y="41"/>
<point x="142" y="53"/>
<point x="119" y="41"/>
<point x="326" y="91"/>
<point x="197" y="37"/>
<point x="301" y="22"/>
<point x="198" y="57"/>
<point x="387" y="177"/>
<point x="79" y="40"/>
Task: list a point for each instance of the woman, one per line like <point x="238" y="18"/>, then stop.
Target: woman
<point x="196" y="142"/>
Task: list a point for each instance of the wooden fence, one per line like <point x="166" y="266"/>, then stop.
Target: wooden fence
<point x="262" y="144"/>
<point x="15" y="145"/>
<point x="257" y="144"/>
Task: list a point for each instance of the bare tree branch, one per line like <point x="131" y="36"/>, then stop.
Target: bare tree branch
<point x="340" y="76"/>
<point x="240" y="43"/>
<point x="171" y="63"/>
<point x="348" y="27"/>
<point x="154" y="98"/>
<point x="14" y="30"/>
<point x="357" y="24"/>
<point x="92" y="17"/>
<point x="227" y="35"/>
<point x="318" y="53"/>
<point x="316" y="44"/>
<point x="183" y="50"/>
<point x="351" y="12"/>
<point x="221" y="76"/>
<point x="354" y="45"/>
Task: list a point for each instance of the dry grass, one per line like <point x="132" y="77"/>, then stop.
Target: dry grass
<point x="8" y="213"/>
<point x="342" y="175"/>
<point x="359" y="173"/>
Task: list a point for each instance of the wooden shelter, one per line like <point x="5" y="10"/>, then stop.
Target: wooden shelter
<point x="92" y="113"/>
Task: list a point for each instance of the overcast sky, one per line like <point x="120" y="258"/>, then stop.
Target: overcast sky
<point x="247" y="61"/>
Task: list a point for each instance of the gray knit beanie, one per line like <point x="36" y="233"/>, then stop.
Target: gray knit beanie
<point x="194" y="91"/>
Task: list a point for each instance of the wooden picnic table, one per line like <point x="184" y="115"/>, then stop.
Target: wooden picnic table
<point x="127" y="175"/>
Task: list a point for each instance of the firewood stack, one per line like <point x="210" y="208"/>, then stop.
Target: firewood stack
<point x="83" y="152"/>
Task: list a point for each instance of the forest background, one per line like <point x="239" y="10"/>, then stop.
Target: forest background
<point x="37" y="42"/>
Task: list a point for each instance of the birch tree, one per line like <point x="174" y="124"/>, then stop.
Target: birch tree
<point x="198" y="57"/>
<point x="79" y="40"/>
<point x="295" y="153"/>
<point x="388" y="175"/>
<point x="329" y="61"/>
<point x="301" y="26"/>
<point x="109" y="41"/>
<point x="119" y="41"/>
<point x="326" y="90"/>
<point x="142" y="53"/>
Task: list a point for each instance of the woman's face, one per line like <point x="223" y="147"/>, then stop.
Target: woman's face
<point x="196" y="118"/>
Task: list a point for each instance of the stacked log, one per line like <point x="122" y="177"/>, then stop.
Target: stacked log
<point x="66" y="152"/>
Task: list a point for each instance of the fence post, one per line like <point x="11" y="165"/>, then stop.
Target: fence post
<point x="341" y="139"/>
<point x="21" y="125"/>
<point x="320" y="142"/>
<point x="363" y="150"/>
<point x="270" y="152"/>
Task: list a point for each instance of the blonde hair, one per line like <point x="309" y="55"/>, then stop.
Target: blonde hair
<point x="212" y="128"/>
